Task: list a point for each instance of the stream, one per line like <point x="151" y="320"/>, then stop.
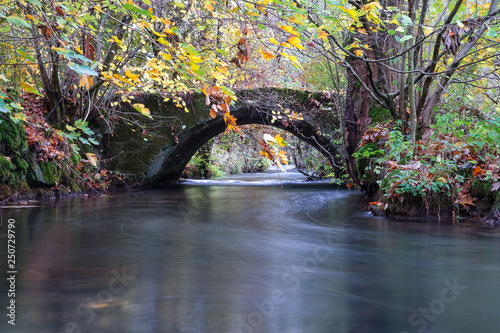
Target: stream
<point x="242" y="254"/>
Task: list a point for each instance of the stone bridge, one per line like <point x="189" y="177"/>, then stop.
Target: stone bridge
<point x="156" y="151"/>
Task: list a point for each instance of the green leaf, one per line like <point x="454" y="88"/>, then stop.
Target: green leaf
<point x="82" y="70"/>
<point x="5" y="29"/>
<point x="17" y="20"/>
<point x="491" y="33"/>
<point x="405" y="38"/>
<point x="179" y="4"/>
<point x="406" y="20"/>
<point x="4" y="108"/>
<point x="35" y="2"/>
<point x="93" y="141"/>
<point x="391" y="32"/>
<point x="137" y="10"/>
<point x="142" y="110"/>
<point x="27" y="56"/>
<point x="71" y="55"/>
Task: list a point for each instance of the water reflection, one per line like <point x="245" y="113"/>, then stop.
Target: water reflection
<point x="199" y="258"/>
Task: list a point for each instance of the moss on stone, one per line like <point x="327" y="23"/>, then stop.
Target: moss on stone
<point x="5" y="170"/>
<point x="379" y="114"/>
<point x="75" y="158"/>
<point x="15" y="145"/>
<point x="51" y="172"/>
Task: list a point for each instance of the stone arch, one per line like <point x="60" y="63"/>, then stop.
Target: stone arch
<point x="173" y="158"/>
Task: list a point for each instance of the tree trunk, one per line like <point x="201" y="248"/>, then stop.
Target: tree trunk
<point x="356" y="118"/>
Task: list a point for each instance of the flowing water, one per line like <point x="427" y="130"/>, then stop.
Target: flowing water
<point x="243" y="255"/>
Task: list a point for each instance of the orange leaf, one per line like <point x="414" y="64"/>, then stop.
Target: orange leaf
<point x="477" y="171"/>
<point x="231" y="122"/>
<point x="323" y="34"/>
<point x="358" y="52"/>
<point x="213" y="111"/>
<point x="86" y="81"/>
<point x="282" y="154"/>
<point x="295" y="41"/>
<point x="289" y="29"/>
<point x="266" y="55"/>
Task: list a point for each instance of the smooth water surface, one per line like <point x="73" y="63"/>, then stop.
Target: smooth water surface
<point x="244" y="255"/>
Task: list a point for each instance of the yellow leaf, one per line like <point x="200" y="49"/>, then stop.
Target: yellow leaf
<point x="29" y="88"/>
<point x="194" y="58"/>
<point x="323" y="34"/>
<point x="78" y="50"/>
<point x="441" y="179"/>
<point x="133" y="77"/>
<point x="272" y="40"/>
<point x="223" y="69"/>
<point x="297" y="19"/>
<point x="142" y="110"/>
<point x="266" y="55"/>
<point x="30" y="17"/>
<point x="209" y="7"/>
<point x="289" y="29"/>
<point x="118" y="41"/>
<point x="219" y="76"/>
<point x="121" y="78"/>
<point x="169" y="31"/>
<point x="281" y="142"/>
<point x="86" y="81"/>
<point x="295" y="41"/>
<point x="371" y="6"/>
<point x="358" y="52"/>
<point x="362" y="31"/>
<point x="352" y="13"/>
<point x="92" y="159"/>
<point x="282" y="155"/>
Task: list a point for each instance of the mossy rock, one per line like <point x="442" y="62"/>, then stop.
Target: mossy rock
<point x="51" y="172"/>
<point x="35" y="176"/>
<point x="5" y="170"/>
<point x="379" y="114"/>
<point x="13" y="143"/>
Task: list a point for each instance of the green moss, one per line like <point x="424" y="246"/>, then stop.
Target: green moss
<point x="5" y="170"/>
<point x="379" y="114"/>
<point x="482" y="190"/>
<point x="51" y="173"/>
<point x="15" y="145"/>
<point x="75" y="158"/>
